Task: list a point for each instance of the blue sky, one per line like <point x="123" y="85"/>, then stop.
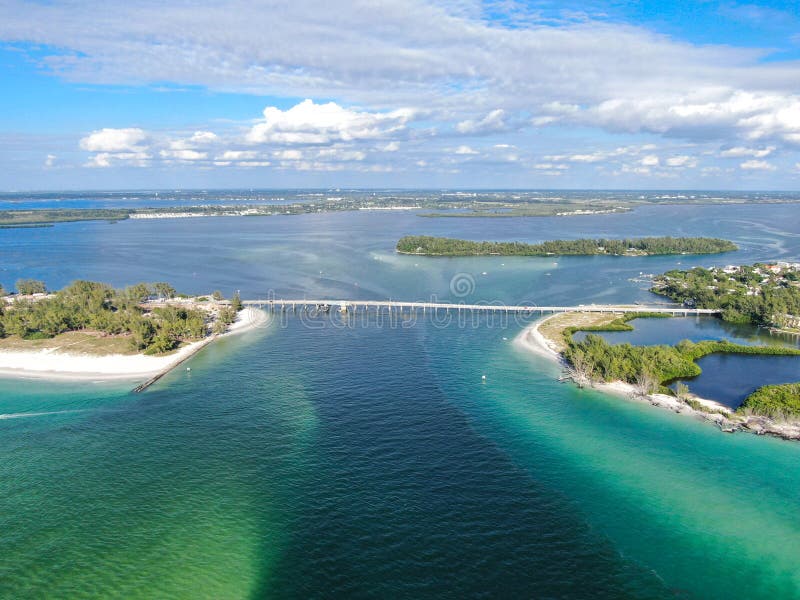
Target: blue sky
<point x="449" y="93"/>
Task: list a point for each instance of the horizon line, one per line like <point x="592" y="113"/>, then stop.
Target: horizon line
<point x="402" y="189"/>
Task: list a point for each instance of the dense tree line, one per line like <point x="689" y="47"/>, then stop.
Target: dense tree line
<point x="743" y="297"/>
<point x="438" y="246"/>
<point x="625" y="362"/>
<point x="96" y="306"/>
<point x="775" y="401"/>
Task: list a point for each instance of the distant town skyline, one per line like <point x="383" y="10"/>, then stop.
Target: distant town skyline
<point x="417" y="94"/>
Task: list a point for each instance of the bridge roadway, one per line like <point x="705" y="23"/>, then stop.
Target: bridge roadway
<point x="354" y="305"/>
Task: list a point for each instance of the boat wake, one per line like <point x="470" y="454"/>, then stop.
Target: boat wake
<point x="23" y="415"/>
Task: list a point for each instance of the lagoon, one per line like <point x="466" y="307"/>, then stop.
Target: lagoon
<point x="730" y="378"/>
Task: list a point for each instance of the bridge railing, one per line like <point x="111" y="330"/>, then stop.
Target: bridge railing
<point x="346" y="305"/>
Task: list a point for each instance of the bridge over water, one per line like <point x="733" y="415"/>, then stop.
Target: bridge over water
<point x="398" y="307"/>
<point x="346" y="306"/>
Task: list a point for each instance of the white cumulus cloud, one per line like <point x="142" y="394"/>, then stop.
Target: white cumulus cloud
<point x="757" y="165"/>
<point x="681" y="161"/>
<point x="491" y="123"/>
<point x="203" y="137"/>
<point x="588" y="158"/>
<point x="288" y="154"/>
<point x="551" y="166"/>
<point x="341" y="154"/>
<point x="109" y="159"/>
<point x="229" y="155"/>
<point x="114" y="140"/>
<point x="465" y="150"/>
<point x="742" y="152"/>
<point x="310" y="123"/>
<point x="117" y="146"/>
<point x="183" y="155"/>
<point x="197" y="139"/>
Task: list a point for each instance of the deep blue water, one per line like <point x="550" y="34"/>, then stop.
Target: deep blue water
<point x="345" y="458"/>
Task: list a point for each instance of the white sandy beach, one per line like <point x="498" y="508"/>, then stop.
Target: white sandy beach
<point x="52" y="364"/>
<point x="56" y="365"/>
<point x="532" y="340"/>
<point x="248" y="319"/>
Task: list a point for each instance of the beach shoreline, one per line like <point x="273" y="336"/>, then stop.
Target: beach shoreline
<point x="50" y="364"/>
<point x="532" y="340"/>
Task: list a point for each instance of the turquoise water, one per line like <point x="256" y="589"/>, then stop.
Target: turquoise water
<point x="331" y="458"/>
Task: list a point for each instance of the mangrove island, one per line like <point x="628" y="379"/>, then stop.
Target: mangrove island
<point x="647" y="246"/>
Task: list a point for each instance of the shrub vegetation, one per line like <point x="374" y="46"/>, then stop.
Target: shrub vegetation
<point x="775" y="401"/>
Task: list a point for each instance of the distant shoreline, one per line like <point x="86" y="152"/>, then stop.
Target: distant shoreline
<point x="480" y="203"/>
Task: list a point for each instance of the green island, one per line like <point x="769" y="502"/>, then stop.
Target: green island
<point x="651" y="369"/>
<point x="648" y="246"/>
<point x="766" y="295"/>
<point x="95" y="318"/>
